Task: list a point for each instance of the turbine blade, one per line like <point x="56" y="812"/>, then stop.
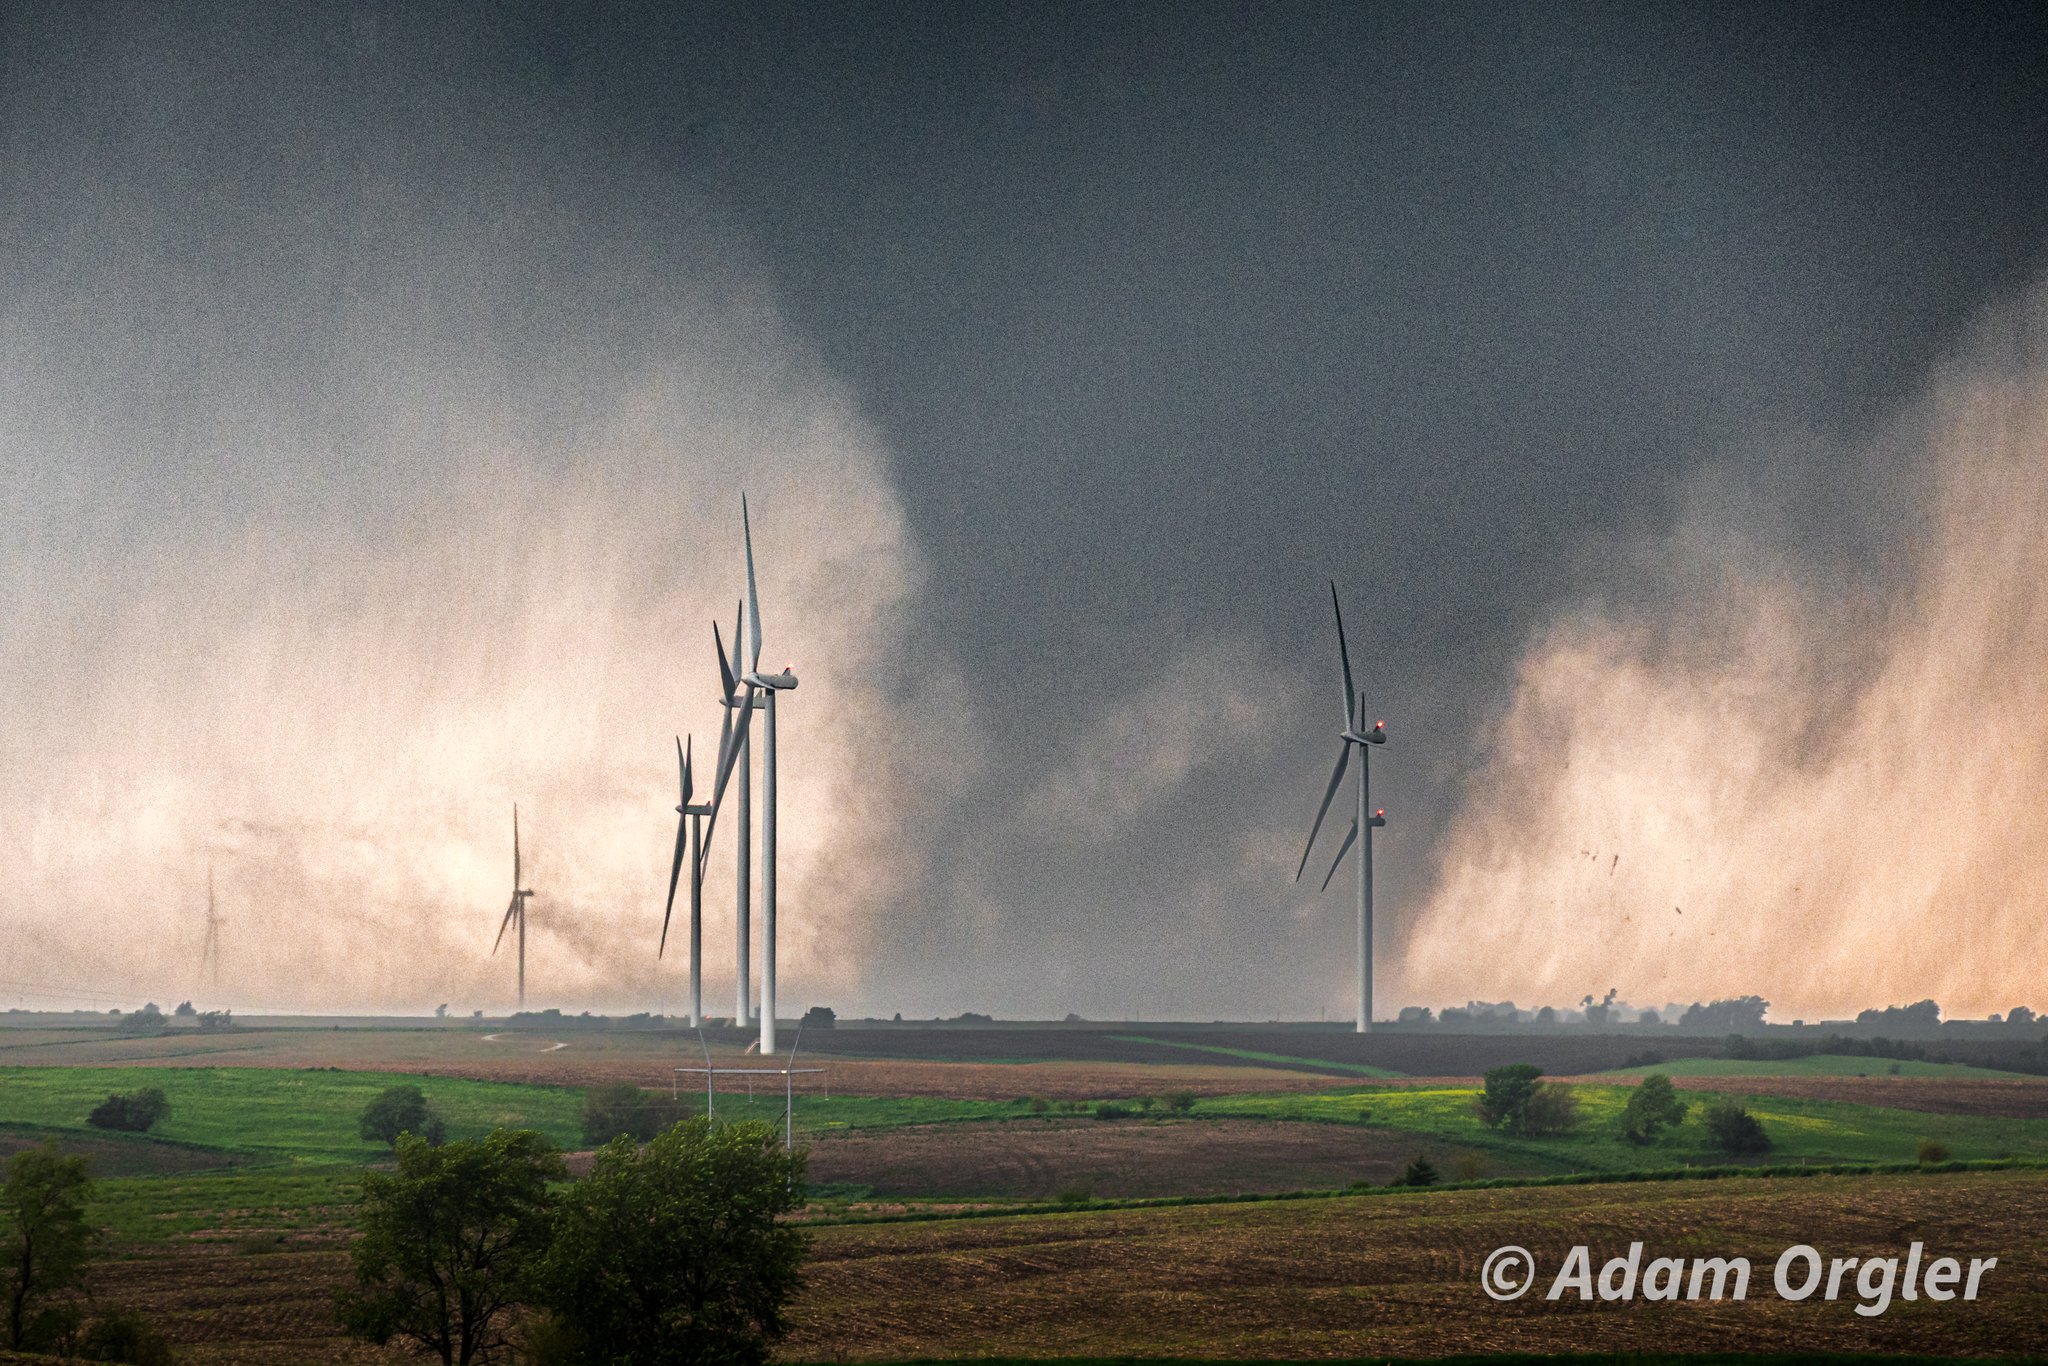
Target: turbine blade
<point x="725" y="678"/>
<point x="510" y="911"/>
<point x="675" y="875"/>
<point x="515" y="850"/>
<point x="1329" y="793"/>
<point x="1342" y="850"/>
<point x="729" y="761"/>
<point x="683" y="764"/>
<point x="753" y="596"/>
<point x="1344" y="653"/>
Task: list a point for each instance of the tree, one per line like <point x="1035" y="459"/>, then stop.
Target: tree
<point x="48" y="1239"/>
<point x="1736" y="1014"/>
<point x="216" y="1021"/>
<point x="1735" y="1129"/>
<point x="674" y="1252"/>
<point x="819" y="1017"/>
<point x="1552" y="1109"/>
<point x="451" y="1242"/>
<point x="184" y="1008"/>
<point x="142" y="1021"/>
<point x="1653" y="1105"/>
<point x="1504" y="1102"/>
<point x="135" y="1114"/>
<point x="399" y="1110"/>
<point x="624" y="1108"/>
<point x="1419" y="1173"/>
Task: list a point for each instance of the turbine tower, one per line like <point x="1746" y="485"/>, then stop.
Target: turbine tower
<point x="211" y="953"/>
<point x="517" y="910"/>
<point x="1367" y="819"/>
<point x="767" y="686"/>
<point x="689" y="816"/>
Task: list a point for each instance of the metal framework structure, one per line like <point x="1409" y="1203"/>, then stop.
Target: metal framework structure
<point x="788" y="1074"/>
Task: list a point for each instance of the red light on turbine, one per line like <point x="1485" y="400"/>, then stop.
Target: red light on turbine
<point x="1381" y="812"/>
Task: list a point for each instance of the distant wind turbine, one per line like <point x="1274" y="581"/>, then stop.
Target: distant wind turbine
<point x="211" y="953"/>
<point x="517" y="910"/>
<point x="1366" y="820"/>
<point x="689" y="816"/>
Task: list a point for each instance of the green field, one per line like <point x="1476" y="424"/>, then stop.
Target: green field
<point x="271" y="1115"/>
<point x="290" y="1153"/>
<point x="281" y="1116"/>
<point x="1801" y="1130"/>
<point x="1248" y="1055"/>
<point x="1820" y="1065"/>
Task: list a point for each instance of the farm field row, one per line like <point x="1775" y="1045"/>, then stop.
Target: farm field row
<point x="1389" y="1275"/>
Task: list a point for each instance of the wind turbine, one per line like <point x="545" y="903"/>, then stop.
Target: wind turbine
<point x="767" y="685"/>
<point x="211" y="953"/>
<point x="734" y="749"/>
<point x="689" y="817"/>
<point x="1367" y="820"/>
<point x="517" y="910"/>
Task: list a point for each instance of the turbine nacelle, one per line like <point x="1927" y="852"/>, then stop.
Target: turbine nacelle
<point x="781" y="682"/>
<point x="1379" y="819"/>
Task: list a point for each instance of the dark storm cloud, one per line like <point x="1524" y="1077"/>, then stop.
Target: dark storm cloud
<point x="1163" y="315"/>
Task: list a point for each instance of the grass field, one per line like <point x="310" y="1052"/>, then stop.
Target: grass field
<point x="1800" y="1129"/>
<point x="279" y="1115"/>
<point x="1820" y="1065"/>
<point x="1253" y="1055"/>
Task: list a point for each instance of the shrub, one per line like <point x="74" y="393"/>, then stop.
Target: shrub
<point x="1039" y="1105"/>
<point x="1109" y="1109"/>
<point x="1504" y="1101"/>
<point x="1180" y="1102"/>
<point x="1931" y="1151"/>
<point x="399" y="1110"/>
<point x="1419" y="1173"/>
<point x="1468" y="1166"/>
<point x="1734" y="1129"/>
<point x="623" y="1108"/>
<point x="1077" y="1194"/>
<point x="1552" y="1110"/>
<point x="127" y="1336"/>
<point x="134" y="1114"/>
<point x="1651" y="1106"/>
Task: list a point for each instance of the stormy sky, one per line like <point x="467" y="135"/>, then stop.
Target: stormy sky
<point x="1663" y="388"/>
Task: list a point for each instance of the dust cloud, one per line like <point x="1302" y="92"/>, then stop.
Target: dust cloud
<point x="1759" y="776"/>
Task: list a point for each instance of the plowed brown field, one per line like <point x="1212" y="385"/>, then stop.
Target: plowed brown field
<point x="1174" y="1157"/>
<point x="1398" y="1275"/>
<point x="1387" y="1274"/>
